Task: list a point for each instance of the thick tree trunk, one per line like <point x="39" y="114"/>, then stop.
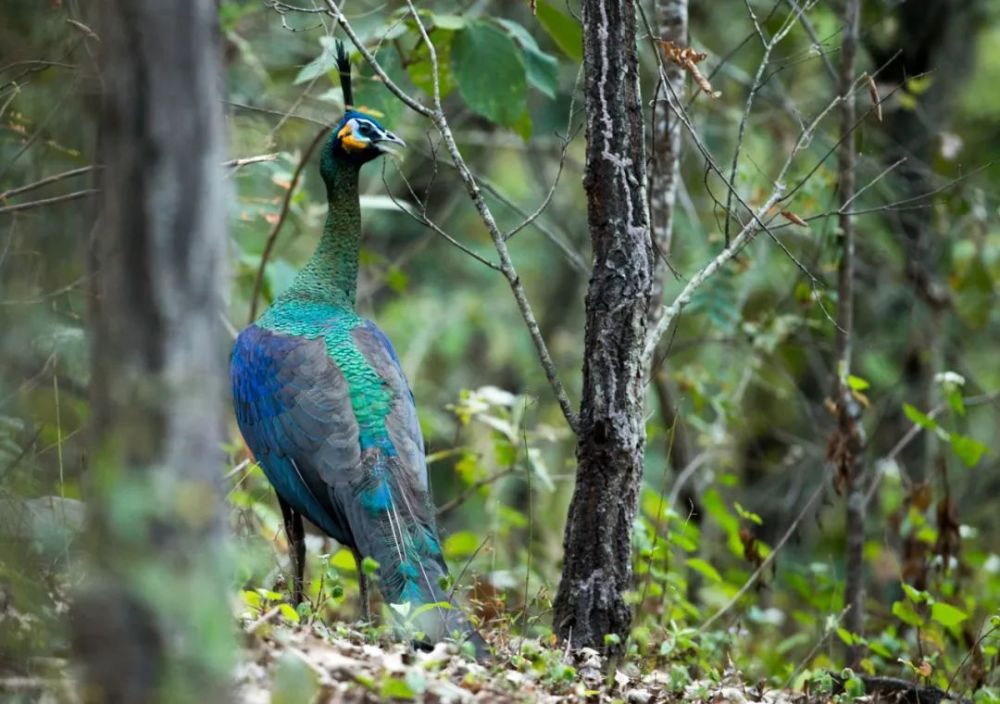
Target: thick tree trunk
<point x="590" y="603"/>
<point x="152" y="623"/>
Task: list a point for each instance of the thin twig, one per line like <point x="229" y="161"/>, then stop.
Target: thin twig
<point x="46" y="181"/>
<point x="472" y="489"/>
<point x="47" y="201"/>
<point x="766" y="563"/>
<point x="684" y="297"/>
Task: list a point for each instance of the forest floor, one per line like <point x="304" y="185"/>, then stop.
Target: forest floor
<point x="342" y="664"/>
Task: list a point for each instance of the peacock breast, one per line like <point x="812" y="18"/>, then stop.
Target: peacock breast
<point x="370" y="396"/>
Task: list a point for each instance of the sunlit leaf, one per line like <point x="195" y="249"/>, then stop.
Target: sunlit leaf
<point x="969" y="450"/>
<point x="703" y="568"/>
<point x="947" y="615"/>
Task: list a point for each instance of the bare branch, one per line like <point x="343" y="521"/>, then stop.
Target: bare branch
<point x="47" y="201"/>
<point x="684" y="297"/>
<point x="46" y="181"/>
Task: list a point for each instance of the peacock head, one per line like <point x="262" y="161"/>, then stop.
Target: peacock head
<point x="358" y="137"/>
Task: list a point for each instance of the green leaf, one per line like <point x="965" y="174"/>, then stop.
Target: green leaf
<point x="288" y="612"/>
<point x="846" y="636"/>
<point x="955" y="400"/>
<point x="564" y="30"/>
<point x="325" y="62"/>
<point x="490" y="72"/>
<point x="747" y="515"/>
<point x="370" y="93"/>
<point x="460" y="544"/>
<point x="906" y="613"/>
<point x="393" y="688"/>
<point x="451" y="22"/>
<point x="703" y="568"/>
<point x="969" y="450"/>
<point x="343" y="561"/>
<point x="857" y="383"/>
<point x="542" y="68"/>
<point x="424" y="608"/>
<point x="421" y="70"/>
<point x="915" y="595"/>
<point x="947" y="615"/>
<point x="918" y="417"/>
<point x="523" y="126"/>
<point x="369" y="565"/>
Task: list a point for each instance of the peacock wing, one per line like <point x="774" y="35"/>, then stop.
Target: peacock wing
<point x="293" y="408"/>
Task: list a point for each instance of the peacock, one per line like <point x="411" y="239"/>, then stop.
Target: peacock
<point x="324" y="406"/>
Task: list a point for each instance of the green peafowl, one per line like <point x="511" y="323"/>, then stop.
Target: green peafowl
<point x="324" y="406"/>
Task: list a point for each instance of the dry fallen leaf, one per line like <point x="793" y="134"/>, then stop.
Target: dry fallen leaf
<point x="873" y="94"/>
<point x="689" y="59"/>
<point x="792" y="217"/>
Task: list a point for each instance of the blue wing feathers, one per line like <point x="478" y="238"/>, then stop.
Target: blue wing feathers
<point x="367" y="491"/>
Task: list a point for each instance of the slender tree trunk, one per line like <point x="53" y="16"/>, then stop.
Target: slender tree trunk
<point x="664" y="180"/>
<point x="152" y="623"/>
<point x="847" y="443"/>
<point x="590" y="603"/>
<point x="672" y="17"/>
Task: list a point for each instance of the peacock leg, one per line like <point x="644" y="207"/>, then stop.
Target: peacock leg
<point x="366" y="614"/>
<point x="296" y="548"/>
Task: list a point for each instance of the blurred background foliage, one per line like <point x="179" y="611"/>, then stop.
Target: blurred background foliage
<point x="741" y="384"/>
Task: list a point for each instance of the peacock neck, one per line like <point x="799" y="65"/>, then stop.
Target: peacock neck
<point x="331" y="274"/>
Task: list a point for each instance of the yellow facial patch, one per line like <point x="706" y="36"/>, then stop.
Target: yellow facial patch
<point x="349" y="141"/>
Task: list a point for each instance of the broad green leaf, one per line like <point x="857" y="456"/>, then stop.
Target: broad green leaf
<point x="325" y="62"/>
<point x="451" y="22"/>
<point x="969" y="450"/>
<point x="906" y="613"/>
<point x="369" y="565"/>
<point x="918" y="417"/>
<point x="703" y="568"/>
<point x="947" y="615"/>
<point x="542" y="68"/>
<point x="490" y="72"/>
<point x="420" y="68"/>
<point x="460" y="544"/>
<point x="370" y="93"/>
<point x="564" y="30"/>
<point x="524" y="126"/>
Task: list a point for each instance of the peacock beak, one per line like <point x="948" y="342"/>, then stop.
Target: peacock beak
<point x="390" y="144"/>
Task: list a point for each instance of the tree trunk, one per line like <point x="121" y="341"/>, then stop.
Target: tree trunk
<point x="590" y="603"/>
<point x="847" y="443"/>
<point x="152" y="622"/>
